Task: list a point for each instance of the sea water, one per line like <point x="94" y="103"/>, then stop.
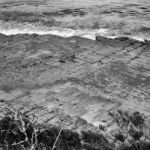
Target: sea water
<point x="85" y="18"/>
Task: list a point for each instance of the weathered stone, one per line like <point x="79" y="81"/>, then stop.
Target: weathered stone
<point x="71" y="81"/>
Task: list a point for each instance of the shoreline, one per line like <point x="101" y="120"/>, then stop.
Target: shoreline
<point x="66" y="32"/>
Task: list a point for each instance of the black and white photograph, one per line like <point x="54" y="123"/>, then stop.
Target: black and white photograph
<point x="74" y="74"/>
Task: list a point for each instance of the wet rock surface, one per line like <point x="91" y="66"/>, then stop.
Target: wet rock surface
<point x="73" y="82"/>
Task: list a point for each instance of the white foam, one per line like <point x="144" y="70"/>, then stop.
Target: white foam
<point x="40" y="32"/>
<point x="138" y="38"/>
<point x="63" y="32"/>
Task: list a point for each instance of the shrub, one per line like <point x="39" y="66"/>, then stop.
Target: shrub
<point x="15" y="134"/>
<point x="137" y="146"/>
<point x="135" y="133"/>
<point x="119" y="136"/>
<point x="18" y="133"/>
<point x="68" y="140"/>
<point x="97" y="141"/>
<point x="137" y="119"/>
<point x="86" y="146"/>
<point x="132" y="126"/>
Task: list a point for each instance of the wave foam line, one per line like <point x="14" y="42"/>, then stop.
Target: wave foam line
<point x="65" y="32"/>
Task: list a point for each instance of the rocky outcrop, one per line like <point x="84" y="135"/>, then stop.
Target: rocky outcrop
<point x="74" y="82"/>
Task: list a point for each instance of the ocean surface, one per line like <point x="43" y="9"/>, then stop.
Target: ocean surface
<point x="85" y="18"/>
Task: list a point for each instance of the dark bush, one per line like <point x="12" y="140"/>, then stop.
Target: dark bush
<point x="12" y="133"/>
<point x="95" y="140"/>
<point x="119" y="136"/>
<point x="86" y="146"/>
<point x="68" y="139"/>
<point x="137" y="146"/>
<point x="18" y="133"/>
<point x="137" y="119"/>
<point x="136" y="134"/>
<point x="14" y="137"/>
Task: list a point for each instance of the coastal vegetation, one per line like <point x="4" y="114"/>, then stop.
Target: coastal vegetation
<point x="18" y="132"/>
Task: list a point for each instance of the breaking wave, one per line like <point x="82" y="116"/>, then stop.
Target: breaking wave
<point x="67" y="32"/>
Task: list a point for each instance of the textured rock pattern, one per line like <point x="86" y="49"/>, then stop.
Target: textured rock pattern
<point x="74" y="82"/>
